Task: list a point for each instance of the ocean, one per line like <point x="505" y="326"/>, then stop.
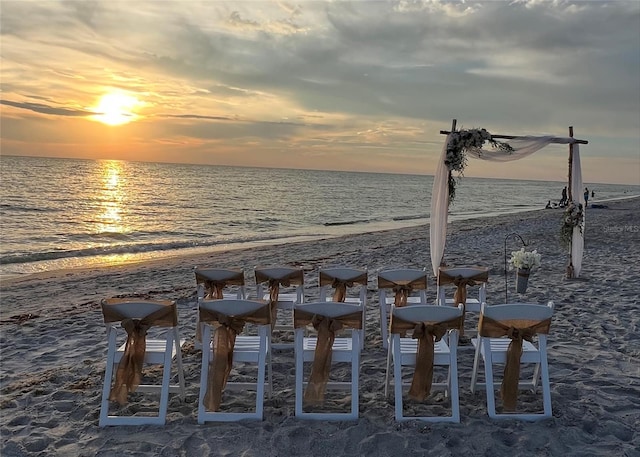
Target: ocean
<point x="72" y="213"/>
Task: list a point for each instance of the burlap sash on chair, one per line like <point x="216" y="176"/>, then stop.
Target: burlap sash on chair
<point x="427" y="334"/>
<point x="402" y="288"/>
<point x="295" y="278"/>
<point x="340" y="285"/>
<point x="214" y="287"/>
<point x="517" y="330"/>
<point x="326" y="328"/>
<point x="129" y="372"/>
<point x="224" y="339"/>
<point x="461" y="283"/>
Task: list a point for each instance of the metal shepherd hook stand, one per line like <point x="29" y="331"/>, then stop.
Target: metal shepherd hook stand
<point x="506" y="288"/>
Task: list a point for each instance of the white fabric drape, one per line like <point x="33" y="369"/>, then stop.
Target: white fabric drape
<point x="522" y="147"/>
<point x="439" y="210"/>
<point x="577" y="240"/>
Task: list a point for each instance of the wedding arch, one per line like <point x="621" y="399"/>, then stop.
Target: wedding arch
<point x="463" y="144"/>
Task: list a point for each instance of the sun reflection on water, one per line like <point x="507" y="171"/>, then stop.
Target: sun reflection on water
<point x="111" y="199"/>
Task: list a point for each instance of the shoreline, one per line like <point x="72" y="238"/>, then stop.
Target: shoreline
<point x="151" y="257"/>
<point x="54" y="350"/>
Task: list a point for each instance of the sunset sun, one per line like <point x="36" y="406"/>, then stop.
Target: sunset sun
<point x="116" y="108"/>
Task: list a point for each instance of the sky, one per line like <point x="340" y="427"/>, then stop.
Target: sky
<point x="332" y="85"/>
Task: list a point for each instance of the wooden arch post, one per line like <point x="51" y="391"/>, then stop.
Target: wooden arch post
<point x="569" y="193"/>
<point x="570" y="272"/>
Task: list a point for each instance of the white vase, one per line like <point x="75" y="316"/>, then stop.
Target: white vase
<point x="522" y="279"/>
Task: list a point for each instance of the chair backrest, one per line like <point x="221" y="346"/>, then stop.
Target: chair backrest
<point x="117" y="309"/>
<point x="224" y="276"/>
<point x="328" y="275"/>
<point x="232" y="307"/>
<point x="413" y="275"/>
<point x="518" y="312"/>
<point x="416" y="278"/>
<point x="328" y="308"/>
<point x="432" y="314"/>
<point x="464" y="272"/>
<point x="294" y="275"/>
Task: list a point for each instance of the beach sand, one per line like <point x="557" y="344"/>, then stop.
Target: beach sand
<point x="54" y="349"/>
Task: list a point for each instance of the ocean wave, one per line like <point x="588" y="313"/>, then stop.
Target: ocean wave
<point x="122" y="236"/>
<point x="410" y="218"/>
<point x="124" y="249"/>
<point x="25" y="209"/>
<point x="95" y="251"/>
<point x="357" y="221"/>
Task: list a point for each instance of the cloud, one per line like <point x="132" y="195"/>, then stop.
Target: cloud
<point x="46" y="109"/>
<point x="397" y="70"/>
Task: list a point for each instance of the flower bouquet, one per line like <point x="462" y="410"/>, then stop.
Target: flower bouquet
<point x="573" y="217"/>
<point x="524" y="262"/>
<point x="459" y="143"/>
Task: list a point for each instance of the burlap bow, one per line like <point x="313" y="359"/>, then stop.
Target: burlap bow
<point x="224" y="339"/>
<point x="402" y="288"/>
<point x="461" y="283"/>
<point x="294" y="278"/>
<point x="129" y="372"/>
<point x="340" y="285"/>
<point x="214" y="287"/>
<point x="321" y="367"/>
<point x="427" y="334"/>
<point x="517" y="330"/>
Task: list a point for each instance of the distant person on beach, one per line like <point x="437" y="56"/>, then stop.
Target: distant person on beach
<point x="548" y="205"/>
<point x="593" y="193"/>
<point x="563" y="201"/>
<point x="586" y="197"/>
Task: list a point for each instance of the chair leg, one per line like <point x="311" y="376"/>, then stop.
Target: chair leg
<point x="166" y="380"/>
<point x="355" y="377"/>
<point x="206" y="360"/>
<point x="108" y="377"/>
<point x="387" y="374"/>
<point x="178" y="346"/>
<point x="452" y="382"/>
<point x="476" y="363"/>
<point x="546" y="384"/>
<point x="384" y="330"/>
<point x="397" y="377"/>
<point x="262" y="361"/>
<point x="299" y="335"/>
<point x="488" y="374"/>
<point x="269" y="367"/>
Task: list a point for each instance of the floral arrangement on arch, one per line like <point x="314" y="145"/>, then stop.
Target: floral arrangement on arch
<point x="573" y="217"/>
<point x="525" y="259"/>
<point x="459" y="143"/>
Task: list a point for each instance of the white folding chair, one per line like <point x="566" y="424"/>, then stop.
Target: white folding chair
<point x="403" y="282"/>
<point x="497" y="322"/>
<point x="213" y="283"/>
<point x="335" y="285"/>
<point x="285" y="287"/>
<point x="463" y="278"/>
<point x="217" y="283"/>
<point x="433" y="322"/>
<point x="223" y="320"/>
<point x="323" y="350"/>
<point x="126" y="358"/>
